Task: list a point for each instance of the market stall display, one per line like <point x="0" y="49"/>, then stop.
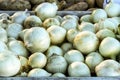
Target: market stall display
<point x="45" y="44"/>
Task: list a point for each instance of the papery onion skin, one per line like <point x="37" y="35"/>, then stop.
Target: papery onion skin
<point x="109" y="47"/>
<point x="98" y="15"/>
<point x="112" y="9"/>
<point x="46" y="10"/>
<point x="9" y="65"/>
<point x="86" y="42"/>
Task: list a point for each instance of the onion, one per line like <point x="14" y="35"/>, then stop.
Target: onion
<point x="24" y="64"/>
<point x="50" y="21"/>
<point x="71" y="33"/>
<point x="58" y="75"/>
<point x="32" y="21"/>
<point x="73" y="56"/>
<point x="9" y="65"/>
<point x="86" y="26"/>
<point x="37" y="39"/>
<point x="114" y="20"/>
<point x="66" y="47"/>
<point x="108" y="68"/>
<point x="106" y="24"/>
<point x="22" y="33"/>
<point x="117" y="18"/>
<point x="86" y="18"/>
<point x="86" y="42"/>
<point x="112" y="9"/>
<point x="20" y="16"/>
<point x="18" y="48"/>
<point x="78" y="69"/>
<point x="59" y="18"/>
<point x="56" y="64"/>
<point x="4" y="22"/>
<point x="101" y="34"/>
<point x="46" y="10"/>
<point x="3" y="35"/>
<point x="37" y="72"/>
<point x="14" y="29"/>
<point x="3" y="46"/>
<point x="37" y="60"/>
<point x="109" y="47"/>
<point x="92" y="60"/>
<point x="57" y="34"/>
<point x="54" y="50"/>
<point x="69" y="24"/>
<point x="98" y="15"/>
<point x="96" y="26"/>
<point x="4" y="16"/>
<point x="73" y="17"/>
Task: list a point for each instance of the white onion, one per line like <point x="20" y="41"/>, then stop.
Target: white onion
<point x="92" y="60"/>
<point x="20" y="16"/>
<point x="101" y="34"/>
<point x="37" y="60"/>
<point x="86" y="42"/>
<point x="4" y="23"/>
<point x="86" y="18"/>
<point x="9" y="65"/>
<point x="37" y="39"/>
<point x="71" y="33"/>
<point x="98" y="15"/>
<point x="86" y="26"/>
<point x="54" y="50"/>
<point x="3" y="46"/>
<point x="56" y="64"/>
<point x="114" y="20"/>
<point x="73" y="17"/>
<point x="46" y="10"/>
<point x="50" y="21"/>
<point x="112" y="9"/>
<point x="32" y="21"/>
<point x="22" y="33"/>
<point x="66" y="47"/>
<point x="78" y="69"/>
<point x="69" y="24"/>
<point x="73" y="56"/>
<point x="106" y="24"/>
<point x="18" y="48"/>
<point x="59" y="18"/>
<point x="108" y="68"/>
<point x="58" y="75"/>
<point x="24" y="64"/>
<point x="4" y="16"/>
<point x="3" y="35"/>
<point x="37" y="72"/>
<point x="57" y="34"/>
<point x="14" y="29"/>
<point x="109" y="47"/>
